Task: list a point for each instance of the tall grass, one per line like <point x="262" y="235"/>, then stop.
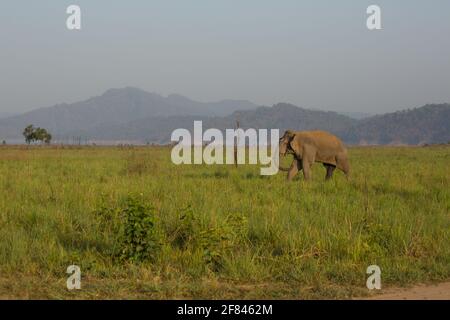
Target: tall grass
<point x="222" y="232"/>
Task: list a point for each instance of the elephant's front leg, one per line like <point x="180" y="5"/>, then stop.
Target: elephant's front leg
<point x="307" y="168"/>
<point x="296" y="166"/>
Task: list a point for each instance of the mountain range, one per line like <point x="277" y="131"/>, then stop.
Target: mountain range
<point x="136" y="116"/>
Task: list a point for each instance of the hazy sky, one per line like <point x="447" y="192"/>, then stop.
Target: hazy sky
<point x="315" y="54"/>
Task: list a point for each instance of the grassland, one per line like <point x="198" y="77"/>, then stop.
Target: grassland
<point x="218" y="231"/>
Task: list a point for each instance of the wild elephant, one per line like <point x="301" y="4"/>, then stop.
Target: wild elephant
<point x="308" y="147"/>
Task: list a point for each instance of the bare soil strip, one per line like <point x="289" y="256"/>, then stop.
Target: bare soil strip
<point x="439" y="291"/>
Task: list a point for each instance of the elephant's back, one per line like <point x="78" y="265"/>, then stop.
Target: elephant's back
<point x="328" y="147"/>
<point x="325" y="139"/>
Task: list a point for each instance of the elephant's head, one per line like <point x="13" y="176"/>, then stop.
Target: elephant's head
<point x="285" y="143"/>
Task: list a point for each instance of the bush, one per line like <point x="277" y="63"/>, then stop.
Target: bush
<point x="140" y="239"/>
<point x="187" y="227"/>
<point x="134" y="230"/>
<point x="214" y="241"/>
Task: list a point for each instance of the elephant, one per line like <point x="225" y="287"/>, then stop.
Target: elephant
<point x="308" y="147"/>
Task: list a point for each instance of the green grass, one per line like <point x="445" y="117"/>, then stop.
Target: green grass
<point x="221" y="231"/>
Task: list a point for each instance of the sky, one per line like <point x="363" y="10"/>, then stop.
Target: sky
<point x="315" y="54"/>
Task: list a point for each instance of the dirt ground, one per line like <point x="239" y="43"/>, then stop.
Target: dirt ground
<point x="439" y="291"/>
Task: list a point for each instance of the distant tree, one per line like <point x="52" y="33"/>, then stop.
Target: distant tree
<point x="48" y="138"/>
<point x="32" y="134"/>
<point x="43" y="135"/>
<point x="28" y="133"/>
<point x="40" y="134"/>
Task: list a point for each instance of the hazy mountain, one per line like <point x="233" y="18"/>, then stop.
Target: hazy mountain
<point x="114" y="107"/>
<point x="428" y="124"/>
<point x="220" y="108"/>
<point x="357" y="115"/>
<point x="131" y="114"/>
<point x="287" y="116"/>
<point x="281" y="116"/>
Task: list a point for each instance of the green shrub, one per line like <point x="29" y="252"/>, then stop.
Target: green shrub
<point x="187" y="227"/>
<point x="216" y="241"/>
<point x="140" y="238"/>
<point x="134" y="229"/>
<point x="213" y="240"/>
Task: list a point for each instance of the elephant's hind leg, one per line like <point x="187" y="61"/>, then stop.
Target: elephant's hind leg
<point x="330" y="169"/>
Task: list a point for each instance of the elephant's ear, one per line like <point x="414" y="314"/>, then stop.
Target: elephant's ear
<point x="297" y="145"/>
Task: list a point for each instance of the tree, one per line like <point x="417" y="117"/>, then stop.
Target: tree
<point x="36" y="134"/>
<point x="28" y="133"/>
<point x="48" y="138"/>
